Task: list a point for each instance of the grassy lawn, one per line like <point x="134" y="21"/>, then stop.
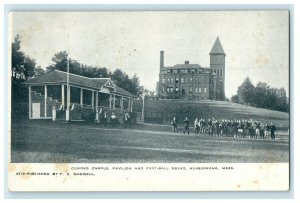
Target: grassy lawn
<point x="48" y="142"/>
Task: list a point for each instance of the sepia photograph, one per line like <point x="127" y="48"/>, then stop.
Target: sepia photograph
<point x="191" y="94"/>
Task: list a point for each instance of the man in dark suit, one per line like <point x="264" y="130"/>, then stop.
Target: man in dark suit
<point x="186" y="126"/>
<point x="272" y="129"/>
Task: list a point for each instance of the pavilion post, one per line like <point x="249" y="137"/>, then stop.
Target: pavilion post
<point x="63" y="96"/>
<point x="129" y="104"/>
<point x="81" y="97"/>
<point x="97" y="113"/>
<point x="131" y="99"/>
<point x="110" y="100"/>
<point x="121" y="103"/>
<point x="93" y="99"/>
<point x="29" y="102"/>
<point x="45" y="94"/>
<point x="114" y="102"/>
<point x="68" y="92"/>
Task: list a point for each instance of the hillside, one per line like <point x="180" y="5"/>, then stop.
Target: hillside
<point x="161" y="111"/>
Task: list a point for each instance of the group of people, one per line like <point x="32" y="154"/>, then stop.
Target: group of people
<point x="103" y="119"/>
<point x="228" y="128"/>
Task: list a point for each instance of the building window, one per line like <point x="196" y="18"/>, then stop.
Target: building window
<point x="172" y="80"/>
<point x="191" y="89"/>
<point x="191" y="80"/>
<point x="176" y="89"/>
<point x="204" y="89"/>
<point x="182" y="80"/>
<point x="200" y="90"/>
<point x="176" y="80"/>
<point x="196" y="89"/>
<point x="163" y="80"/>
<point x="192" y="70"/>
<point x="170" y="89"/>
<point x="169" y="71"/>
<point x="175" y="71"/>
<point x="163" y="89"/>
<point x="186" y="71"/>
<point x="168" y="80"/>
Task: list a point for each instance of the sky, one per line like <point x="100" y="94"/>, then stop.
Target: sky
<point x="256" y="43"/>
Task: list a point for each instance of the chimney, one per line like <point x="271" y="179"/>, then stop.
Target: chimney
<point x="161" y="59"/>
<point x="186" y="62"/>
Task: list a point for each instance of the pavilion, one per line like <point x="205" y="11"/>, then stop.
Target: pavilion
<point x="87" y="97"/>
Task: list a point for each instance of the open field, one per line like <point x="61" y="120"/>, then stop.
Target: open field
<point x="42" y="141"/>
<point x="163" y="110"/>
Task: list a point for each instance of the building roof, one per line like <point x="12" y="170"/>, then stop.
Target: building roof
<point x="185" y="66"/>
<point x="57" y="77"/>
<point x="217" y="48"/>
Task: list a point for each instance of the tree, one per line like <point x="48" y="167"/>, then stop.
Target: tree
<point x="60" y="61"/>
<point x="262" y="96"/>
<point x="245" y="92"/>
<point x="136" y="88"/>
<point x="282" y="100"/>
<point x="17" y="60"/>
<point x="234" y="99"/>
<point x="39" y="71"/>
<point x="23" y="66"/>
<point x="29" y="67"/>
<point x="122" y="80"/>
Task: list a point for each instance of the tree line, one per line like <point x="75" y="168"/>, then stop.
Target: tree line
<point x="24" y="67"/>
<point x="261" y="96"/>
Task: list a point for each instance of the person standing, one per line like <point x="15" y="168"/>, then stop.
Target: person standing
<point x="174" y="124"/>
<point x="186" y="126"/>
<point x="267" y="131"/>
<point x="113" y="120"/>
<point x="195" y="125"/>
<point x="127" y="120"/>
<point x="272" y="129"/>
<point x="104" y="118"/>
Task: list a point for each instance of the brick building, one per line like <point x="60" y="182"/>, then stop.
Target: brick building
<point x="192" y="81"/>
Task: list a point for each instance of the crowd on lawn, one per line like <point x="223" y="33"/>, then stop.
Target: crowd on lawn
<point x="228" y="128"/>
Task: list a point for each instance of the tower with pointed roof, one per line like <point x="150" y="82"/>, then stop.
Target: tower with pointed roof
<point x="217" y="64"/>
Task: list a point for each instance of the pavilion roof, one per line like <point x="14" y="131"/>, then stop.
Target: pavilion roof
<point x="59" y="77"/>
